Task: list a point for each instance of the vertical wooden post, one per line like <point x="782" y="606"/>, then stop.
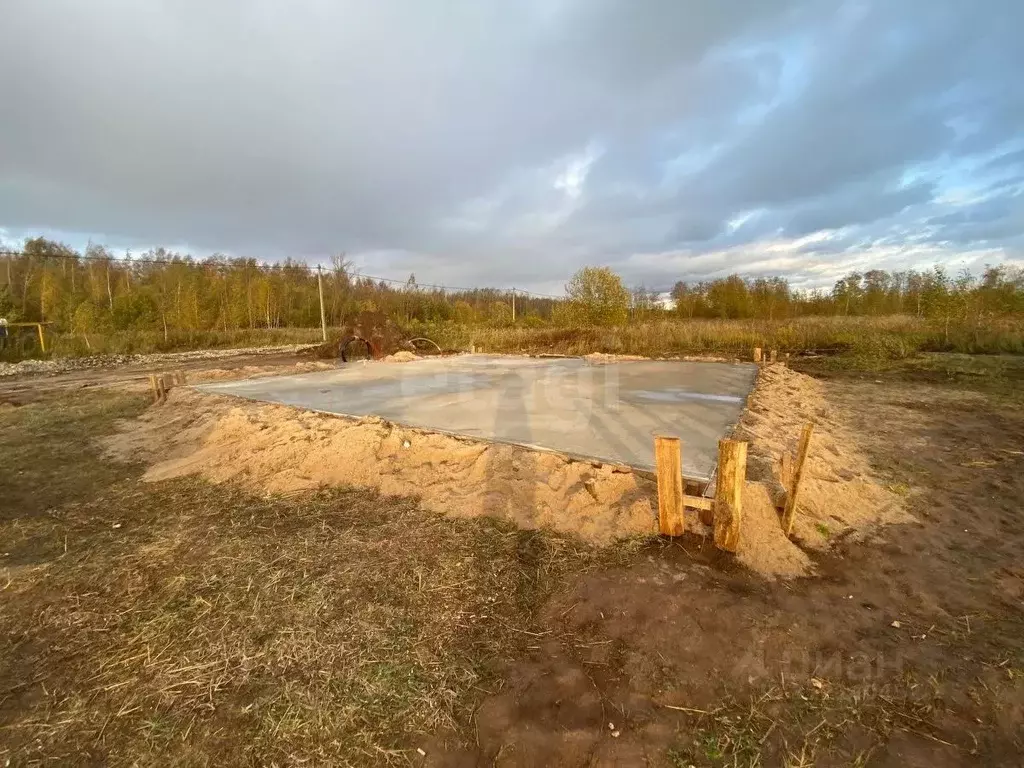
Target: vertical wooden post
<point x="732" y="474"/>
<point x="786" y="471"/>
<point x="181" y="378"/>
<point x="773" y="356"/>
<point x="320" y="290"/>
<point x="798" y="473"/>
<point x="757" y="354"/>
<point x="42" y="338"/>
<point x="668" y="460"/>
<point x="154" y="388"/>
<point x="161" y="390"/>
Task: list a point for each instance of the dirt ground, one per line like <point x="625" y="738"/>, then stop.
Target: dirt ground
<point x="19" y="390"/>
<point x="197" y="623"/>
<point x="909" y="652"/>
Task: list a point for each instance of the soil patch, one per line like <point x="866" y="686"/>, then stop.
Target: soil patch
<point x="907" y="653"/>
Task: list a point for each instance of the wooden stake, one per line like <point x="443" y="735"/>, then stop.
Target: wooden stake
<point x="181" y="378"/>
<point x="786" y="471"/>
<point x="161" y="390"/>
<point x="154" y="388"/>
<point x="668" y="460"/>
<point x="732" y="474"/>
<point x="798" y="474"/>
<point x="757" y="354"/>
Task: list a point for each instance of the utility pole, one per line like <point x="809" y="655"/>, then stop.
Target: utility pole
<point x="513" y="304"/>
<point x="320" y="288"/>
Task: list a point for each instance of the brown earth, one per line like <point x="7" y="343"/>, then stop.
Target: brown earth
<point x="908" y="650"/>
<point x="19" y="390"/>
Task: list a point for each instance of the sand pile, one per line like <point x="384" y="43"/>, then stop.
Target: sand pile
<point x="256" y="371"/>
<point x="282" y="450"/>
<point x="603" y="358"/>
<point x="402" y="356"/>
<point x="277" y="449"/>
<point x="840" y="495"/>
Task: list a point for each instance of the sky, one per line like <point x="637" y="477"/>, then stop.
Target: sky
<point x="510" y="142"/>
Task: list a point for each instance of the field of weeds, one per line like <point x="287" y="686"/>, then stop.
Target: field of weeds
<point x="859" y="341"/>
<point x="865" y="340"/>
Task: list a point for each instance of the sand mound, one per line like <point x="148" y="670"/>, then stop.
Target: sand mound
<point x="402" y="356"/>
<point x="277" y="449"/>
<point x="282" y="450"/>
<point x="598" y="358"/>
<point x="839" y="496"/>
<point x="255" y="371"/>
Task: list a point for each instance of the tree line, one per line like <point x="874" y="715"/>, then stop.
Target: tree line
<point x="931" y="293"/>
<point x="168" y="292"/>
<point x="96" y="291"/>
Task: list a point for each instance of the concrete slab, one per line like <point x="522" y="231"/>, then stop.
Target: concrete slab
<point x="602" y="411"/>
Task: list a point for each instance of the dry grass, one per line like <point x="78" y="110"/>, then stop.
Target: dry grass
<point x="135" y="342"/>
<point x="187" y="623"/>
<point x="866" y="339"/>
<point x="799" y="725"/>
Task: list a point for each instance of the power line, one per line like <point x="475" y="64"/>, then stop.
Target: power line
<point x="190" y="263"/>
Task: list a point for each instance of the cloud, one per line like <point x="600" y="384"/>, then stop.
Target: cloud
<point x="502" y="143"/>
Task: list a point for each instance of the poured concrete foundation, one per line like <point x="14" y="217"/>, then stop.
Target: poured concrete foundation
<point x="606" y="411"/>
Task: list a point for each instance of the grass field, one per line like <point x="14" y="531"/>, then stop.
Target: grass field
<point x="865" y="341"/>
<point x="881" y="338"/>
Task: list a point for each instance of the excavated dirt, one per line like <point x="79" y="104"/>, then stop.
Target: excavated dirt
<point x="277" y="449"/>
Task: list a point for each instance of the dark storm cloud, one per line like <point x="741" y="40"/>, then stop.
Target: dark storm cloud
<point x="513" y="142"/>
<point x="854" y="205"/>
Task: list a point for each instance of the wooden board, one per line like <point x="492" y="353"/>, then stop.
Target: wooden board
<point x="698" y="502"/>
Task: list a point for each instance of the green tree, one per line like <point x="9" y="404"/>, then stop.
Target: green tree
<point x="729" y="298"/>
<point x="464" y="312"/>
<point x="598" y="297"/>
<point x="499" y="313"/>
